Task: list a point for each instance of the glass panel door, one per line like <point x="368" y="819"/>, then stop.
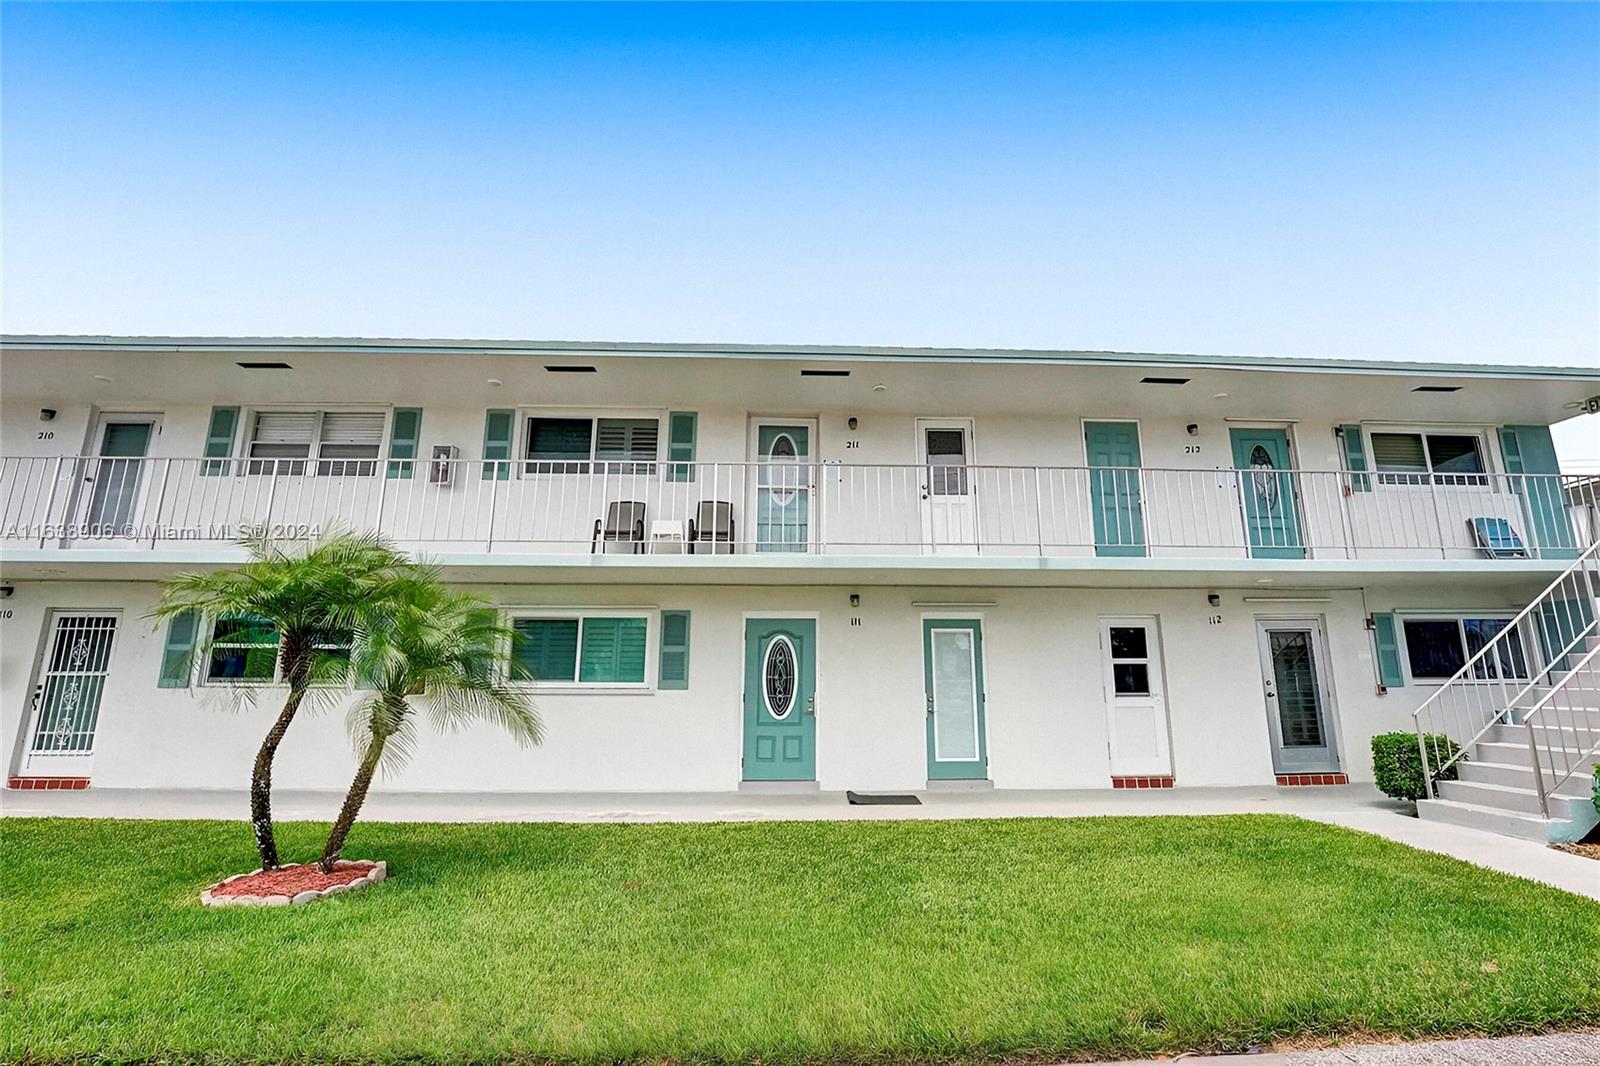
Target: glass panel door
<point x="115" y="476"/>
<point x="953" y="675"/>
<point x="1297" y="697"/>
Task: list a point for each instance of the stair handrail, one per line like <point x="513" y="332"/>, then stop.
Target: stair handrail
<point x="1588" y="565"/>
<point x="1582" y="669"/>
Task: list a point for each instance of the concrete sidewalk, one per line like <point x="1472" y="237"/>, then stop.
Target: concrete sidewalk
<point x="1562" y="1049"/>
<point x="1358" y="807"/>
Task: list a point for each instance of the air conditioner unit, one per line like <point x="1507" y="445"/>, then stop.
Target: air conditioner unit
<point x="442" y="468"/>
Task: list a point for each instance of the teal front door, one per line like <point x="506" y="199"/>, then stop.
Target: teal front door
<point x="783" y="486"/>
<point x="780" y="714"/>
<point x="1112" y="449"/>
<point x="952" y="677"/>
<point x="1271" y="512"/>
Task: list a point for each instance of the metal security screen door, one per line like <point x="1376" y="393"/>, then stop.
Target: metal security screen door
<point x="1295" y="682"/>
<point x="115" y="477"/>
<point x="1136" y="706"/>
<point x="785" y="478"/>
<point x="949" y="507"/>
<point x="66" y="697"/>
<point x="953" y="678"/>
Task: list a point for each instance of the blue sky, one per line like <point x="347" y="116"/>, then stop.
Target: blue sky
<point x="1387" y="181"/>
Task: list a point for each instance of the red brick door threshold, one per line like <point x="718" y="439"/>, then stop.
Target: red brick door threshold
<point x="1141" y="782"/>
<point x="1313" y="779"/>
<point x="51" y="783"/>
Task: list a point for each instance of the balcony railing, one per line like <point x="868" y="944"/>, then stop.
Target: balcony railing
<point x="796" y="506"/>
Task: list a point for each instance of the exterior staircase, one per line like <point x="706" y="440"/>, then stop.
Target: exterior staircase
<point x="1529" y="746"/>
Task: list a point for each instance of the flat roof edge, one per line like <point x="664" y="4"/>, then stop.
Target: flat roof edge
<point x="820" y="353"/>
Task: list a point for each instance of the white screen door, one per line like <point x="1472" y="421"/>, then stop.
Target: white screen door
<point x="949" y="506"/>
<point x="66" y="697"/>
<point x="1136" y="706"/>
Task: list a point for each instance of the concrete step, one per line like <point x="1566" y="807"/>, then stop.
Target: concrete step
<point x="1564" y="804"/>
<point x="1517" y="775"/>
<point x="1556" y="733"/>
<point x="1488" y="819"/>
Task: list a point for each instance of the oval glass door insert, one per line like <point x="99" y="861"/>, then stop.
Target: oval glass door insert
<point x="777" y="678"/>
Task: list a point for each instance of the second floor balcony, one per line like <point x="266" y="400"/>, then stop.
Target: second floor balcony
<point x="739" y="509"/>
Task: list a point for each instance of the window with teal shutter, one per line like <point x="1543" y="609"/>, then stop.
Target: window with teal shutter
<point x="404" y="435"/>
<point x="544" y="649"/>
<point x="220" y="434"/>
<point x="1387" y="642"/>
<point x="613" y="651"/>
<point x="498" y="427"/>
<point x="674" y="668"/>
<point x="177" y="654"/>
<point x="1355" y="457"/>
<point x="682" y="429"/>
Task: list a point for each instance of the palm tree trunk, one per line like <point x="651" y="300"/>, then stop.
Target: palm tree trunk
<point x="352" y="802"/>
<point x="298" y="669"/>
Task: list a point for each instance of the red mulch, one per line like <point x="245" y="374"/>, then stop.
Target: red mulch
<point x="290" y="880"/>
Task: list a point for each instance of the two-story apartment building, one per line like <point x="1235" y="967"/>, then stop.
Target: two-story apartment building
<point x="796" y="567"/>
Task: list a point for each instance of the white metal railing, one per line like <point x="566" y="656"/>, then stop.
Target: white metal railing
<point x="794" y="506"/>
<point x="1541" y="657"/>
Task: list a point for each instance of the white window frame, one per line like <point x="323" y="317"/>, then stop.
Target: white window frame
<point x="652" y="631"/>
<point x="202" y="668"/>
<point x="314" y="458"/>
<point x="1460" y="617"/>
<point x="1423" y="479"/>
<point x="523" y="440"/>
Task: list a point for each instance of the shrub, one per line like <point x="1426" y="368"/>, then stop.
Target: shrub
<point x="1397" y="764"/>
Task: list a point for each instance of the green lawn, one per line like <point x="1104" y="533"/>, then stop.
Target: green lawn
<point x="783" y="941"/>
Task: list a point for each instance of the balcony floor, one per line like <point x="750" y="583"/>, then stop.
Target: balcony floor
<point x="143" y="564"/>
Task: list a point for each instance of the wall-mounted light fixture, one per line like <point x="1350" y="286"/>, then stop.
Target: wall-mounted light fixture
<point x="853" y="423"/>
<point x="7" y="591"/>
<point x="1192" y="429"/>
<point x="1213" y="599"/>
<point x="47" y="414"/>
<point x="855" y="599"/>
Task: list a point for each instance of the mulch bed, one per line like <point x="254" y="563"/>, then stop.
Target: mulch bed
<point x="292" y="880"/>
<point x="1588" y="851"/>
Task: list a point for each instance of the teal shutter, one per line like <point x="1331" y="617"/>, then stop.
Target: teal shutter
<point x="219" y="440"/>
<point x="613" y="651"/>
<point x="544" y="649"/>
<point x="1386" y="638"/>
<point x="177" y="654"/>
<point x="682" y="429"/>
<point x="404" y="434"/>
<point x="1530" y="451"/>
<point x="1355" y="457"/>
<point x="498" y="426"/>
<point x="674" y="649"/>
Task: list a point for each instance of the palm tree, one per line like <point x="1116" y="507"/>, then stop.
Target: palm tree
<point x="423" y="643"/>
<point x="310" y="594"/>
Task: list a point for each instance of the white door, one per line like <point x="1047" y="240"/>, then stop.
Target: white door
<point x="1136" y="706"/>
<point x="113" y="480"/>
<point x="1294" y="677"/>
<point x="783" y="450"/>
<point x="949" y="506"/>
<point x="71" y="680"/>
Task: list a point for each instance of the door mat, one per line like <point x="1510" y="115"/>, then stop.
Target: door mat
<point x="859" y="799"/>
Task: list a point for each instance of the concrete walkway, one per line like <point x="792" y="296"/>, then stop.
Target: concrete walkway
<point x="1561" y="1049"/>
<point x="1358" y="807"/>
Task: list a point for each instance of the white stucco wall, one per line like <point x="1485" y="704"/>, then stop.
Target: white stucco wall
<point x="1046" y="711"/>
